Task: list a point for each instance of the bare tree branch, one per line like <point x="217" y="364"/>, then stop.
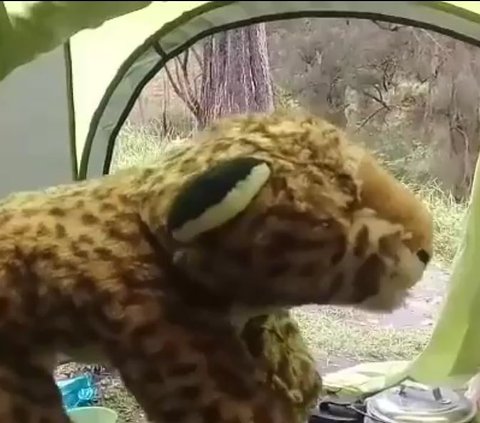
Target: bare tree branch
<point x="377" y="99"/>
<point x="198" y="58"/>
<point x="174" y="85"/>
<point x="379" y="92"/>
<point x="184" y="83"/>
<point x="185" y="60"/>
<point x="187" y="85"/>
<point x="369" y="118"/>
<point x="178" y="89"/>
<point x="432" y="38"/>
<point x="198" y="76"/>
<point x="166" y="95"/>
<point x="181" y="83"/>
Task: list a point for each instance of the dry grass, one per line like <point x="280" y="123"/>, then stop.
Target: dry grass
<point x="139" y="146"/>
<point x="448" y="218"/>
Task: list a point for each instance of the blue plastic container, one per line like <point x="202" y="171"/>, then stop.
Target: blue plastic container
<point x="79" y="391"/>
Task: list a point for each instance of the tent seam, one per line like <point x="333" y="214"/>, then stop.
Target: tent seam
<point x="70" y="108"/>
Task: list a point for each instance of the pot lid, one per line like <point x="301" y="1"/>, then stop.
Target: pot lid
<point x="414" y="402"/>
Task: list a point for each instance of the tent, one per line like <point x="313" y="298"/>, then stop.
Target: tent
<point x="102" y="54"/>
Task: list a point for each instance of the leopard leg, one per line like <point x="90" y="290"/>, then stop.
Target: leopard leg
<point x="28" y="393"/>
<point x="190" y="374"/>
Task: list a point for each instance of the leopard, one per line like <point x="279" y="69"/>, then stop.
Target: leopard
<point x="182" y="273"/>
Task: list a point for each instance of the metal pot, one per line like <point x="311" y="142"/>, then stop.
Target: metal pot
<point x="414" y="403"/>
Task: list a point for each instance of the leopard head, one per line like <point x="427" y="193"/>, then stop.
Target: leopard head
<point x="284" y="210"/>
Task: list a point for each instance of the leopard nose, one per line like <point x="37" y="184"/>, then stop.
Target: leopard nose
<point x="423" y="256"/>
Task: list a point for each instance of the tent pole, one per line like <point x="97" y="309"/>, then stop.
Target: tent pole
<point x="71" y="108"/>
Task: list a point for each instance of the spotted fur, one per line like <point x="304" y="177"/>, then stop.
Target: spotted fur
<point x="199" y="330"/>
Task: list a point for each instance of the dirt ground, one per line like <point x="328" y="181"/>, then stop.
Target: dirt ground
<point x="419" y="313"/>
<point x="423" y="306"/>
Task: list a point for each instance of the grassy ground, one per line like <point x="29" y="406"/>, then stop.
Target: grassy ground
<point x="333" y="333"/>
<point x="337" y="336"/>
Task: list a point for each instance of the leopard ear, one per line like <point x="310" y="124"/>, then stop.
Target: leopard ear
<point x="216" y="196"/>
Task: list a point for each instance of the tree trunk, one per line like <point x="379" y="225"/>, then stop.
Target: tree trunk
<point x="236" y="74"/>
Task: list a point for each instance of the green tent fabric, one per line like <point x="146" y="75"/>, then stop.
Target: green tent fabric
<point x="112" y="49"/>
<point x="454" y="348"/>
<point x="31" y="28"/>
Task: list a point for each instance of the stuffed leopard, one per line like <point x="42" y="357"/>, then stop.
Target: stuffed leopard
<point x="179" y="274"/>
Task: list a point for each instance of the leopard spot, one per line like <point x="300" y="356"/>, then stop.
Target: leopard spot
<point x="60" y="231"/>
<point x="124" y="199"/>
<point x="21" y="230"/>
<point x="169" y="352"/>
<point x="147" y="173"/>
<point x="232" y="379"/>
<point x="86" y="284"/>
<point x="5" y="304"/>
<point x="349" y="187"/>
<point x="205" y="267"/>
<point x="230" y="366"/>
<point x="286" y="212"/>
<point x="80" y="204"/>
<point x="28" y="213"/>
<point x="307" y="270"/>
<point x="264" y="413"/>
<point x="339" y="252"/>
<point x="367" y="279"/>
<point x="187" y="164"/>
<point x="133" y="238"/>
<point x="57" y="212"/>
<point x="283" y="240"/>
<point x="239" y="256"/>
<point x="190" y="392"/>
<point x="78" y="252"/>
<point x="252" y="334"/>
<point x="5" y="218"/>
<point x="104" y="253"/>
<point x="182" y="369"/>
<point x="102" y="193"/>
<point x="278" y="268"/>
<point x="43" y="230"/>
<point x="47" y="254"/>
<point x="388" y="245"/>
<point x="218" y="148"/>
<point x="144" y="331"/>
<point x="108" y="207"/>
<point x="335" y="286"/>
<point x="85" y="239"/>
<point x="211" y="413"/>
<point x="361" y="242"/>
<point x="89" y="219"/>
